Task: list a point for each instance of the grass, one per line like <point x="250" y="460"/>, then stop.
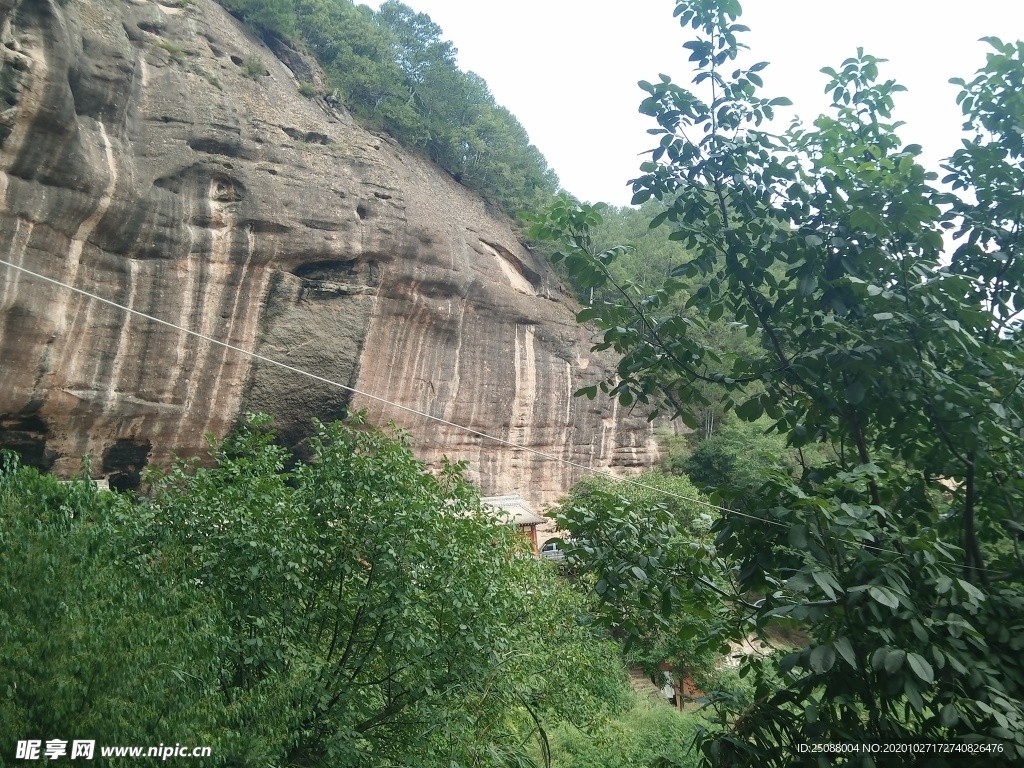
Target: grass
<point x="254" y="67"/>
<point x="176" y="52"/>
<point x="212" y="79"/>
<point x="648" y="733"/>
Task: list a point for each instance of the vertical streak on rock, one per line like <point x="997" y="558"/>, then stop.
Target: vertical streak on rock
<point x="210" y="291"/>
<point x="186" y="281"/>
<point x="123" y="339"/>
<point x="608" y="432"/>
<point x="567" y="442"/>
<point x="416" y="359"/>
<point x="245" y="342"/>
<point x="521" y="423"/>
<point x="16" y="256"/>
<point x="79" y="326"/>
<point x="454" y="379"/>
<point x="88" y="226"/>
<point x="401" y="358"/>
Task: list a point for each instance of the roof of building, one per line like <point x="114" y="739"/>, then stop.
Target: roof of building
<point x="512" y="510"/>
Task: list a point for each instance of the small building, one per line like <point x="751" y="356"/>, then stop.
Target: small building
<point x="512" y="510"/>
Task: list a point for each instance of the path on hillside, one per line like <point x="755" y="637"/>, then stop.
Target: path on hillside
<point x="641" y="683"/>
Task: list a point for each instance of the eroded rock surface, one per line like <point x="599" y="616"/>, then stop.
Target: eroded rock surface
<point x="139" y="163"/>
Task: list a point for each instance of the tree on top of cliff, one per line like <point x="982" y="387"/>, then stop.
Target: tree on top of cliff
<point x="896" y="544"/>
<point x="393" y="70"/>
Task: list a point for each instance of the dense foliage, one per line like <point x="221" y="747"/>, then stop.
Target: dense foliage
<point x="735" y="457"/>
<point x="648" y="735"/>
<point x="896" y="543"/>
<point x="354" y="610"/>
<point x="610" y="523"/>
<point x="636" y="272"/>
<point x="393" y="70"/>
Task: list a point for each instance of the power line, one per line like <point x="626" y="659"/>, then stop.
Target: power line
<point x="438" y="419"/>
<point x="353" y="390"/>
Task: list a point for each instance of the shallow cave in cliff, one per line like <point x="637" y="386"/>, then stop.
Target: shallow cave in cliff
<point x="123" y="462"/>
<point x="338" y="270"/>
<point x="26" y="436"/>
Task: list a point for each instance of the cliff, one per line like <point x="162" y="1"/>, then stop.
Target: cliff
<point x="157" y="155"/>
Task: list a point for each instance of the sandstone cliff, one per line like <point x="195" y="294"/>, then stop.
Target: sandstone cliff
<point x="147" y="158"/>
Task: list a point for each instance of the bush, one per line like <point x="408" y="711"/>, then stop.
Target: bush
<point x="647" y="735"/>
<point x="254" y="67"/>
<point x="92" y="644"/>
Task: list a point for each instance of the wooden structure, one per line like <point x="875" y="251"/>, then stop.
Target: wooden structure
<point x="512" y="510"/>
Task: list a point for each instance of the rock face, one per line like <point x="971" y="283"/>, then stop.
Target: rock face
<point x="156" y="155"/>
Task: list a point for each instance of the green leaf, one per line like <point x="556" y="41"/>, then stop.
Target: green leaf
<point x="921" y="667"/>
<point x="976" y="594"/>
<point x="913" y="695"/>
<point x="808" y="284"/>
<point x="751" y="410"/>
<point x="798" y="536"/>
<point x="800" y="582"/>
<point x="885" y="597"/>
<point x="894" y="660"/>
<point x="845" y="649"/>
<point x="823" y="658"/>
<point x="828" y="584"/>
<point x="878" y="658"/>
<point x="868" y="221"/>
<point x="949" y="716"/>
<point x="919" y="631"/>
<point x="688" y="418"/>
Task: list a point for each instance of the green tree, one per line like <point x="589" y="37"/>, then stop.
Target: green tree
<point x="417" y="43"/>
<point x="91" y="645"/>
<point x="737" y="457"/>
<point x="274" y="17"/>
<point x="395" y="72"/>
<point x="374" y="606"/>
<point x="353" y="610"/>
<point x="612" y="524"/>
<point x="898" y="547"/>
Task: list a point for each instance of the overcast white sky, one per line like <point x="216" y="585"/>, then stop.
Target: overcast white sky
<point x="568" y="68"/>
